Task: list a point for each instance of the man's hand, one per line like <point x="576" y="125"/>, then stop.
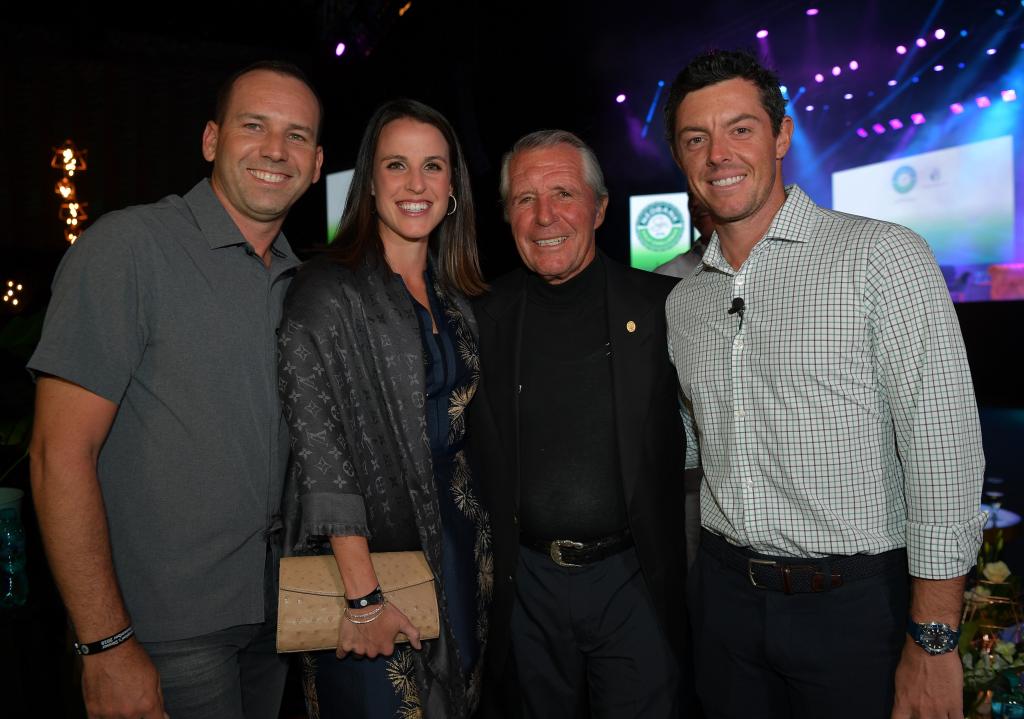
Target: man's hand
<point x="377" y="637"/>
<point x="122" y="683"/>
<point x="928" y="687"/>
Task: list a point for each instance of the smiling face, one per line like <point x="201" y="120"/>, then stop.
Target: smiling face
<point x="264" y="153"/>
<point x="412" y="179"/>
<point x="723" y="141"/>
<point x="553" y="212"/>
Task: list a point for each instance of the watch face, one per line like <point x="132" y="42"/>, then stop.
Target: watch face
<point x="936" y="638"/>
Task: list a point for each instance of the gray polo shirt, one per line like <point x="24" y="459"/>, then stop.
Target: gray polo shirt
<point x="167" y="311"/>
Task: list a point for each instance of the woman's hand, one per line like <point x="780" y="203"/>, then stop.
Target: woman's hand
<point x="376" y="637"/>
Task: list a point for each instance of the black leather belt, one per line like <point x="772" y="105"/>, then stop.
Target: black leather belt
<point x="569" y="553"/>
<point x="795" y="575"/>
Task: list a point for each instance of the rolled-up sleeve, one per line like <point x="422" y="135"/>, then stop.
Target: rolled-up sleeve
<point x="321" y="471"/>
<point x="922" y="366"/>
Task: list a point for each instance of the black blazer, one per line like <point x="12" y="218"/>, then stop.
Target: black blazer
<point x="650" y="432"/>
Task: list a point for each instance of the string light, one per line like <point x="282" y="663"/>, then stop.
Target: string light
<point x="69" y="160"/>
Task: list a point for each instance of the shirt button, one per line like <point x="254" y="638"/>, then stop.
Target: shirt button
<point x="740" y="413"/>
<point x="739" y="344"/>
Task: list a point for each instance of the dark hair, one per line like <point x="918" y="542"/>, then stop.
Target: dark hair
<point x="454" y="240"/>
<point x="287" y="69"/>
<point x="717" y="66"/>
<point x="592" y="174"/>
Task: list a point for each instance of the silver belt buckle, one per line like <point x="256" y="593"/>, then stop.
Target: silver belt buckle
<point x="556" y="551"/>
<point x="750" y="570"/>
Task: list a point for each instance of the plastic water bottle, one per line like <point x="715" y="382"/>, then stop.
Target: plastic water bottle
<point x="13" y="580"/>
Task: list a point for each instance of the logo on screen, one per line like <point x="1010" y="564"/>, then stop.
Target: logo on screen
<point x="904" y="179"/>
<point x="659" y="226"/>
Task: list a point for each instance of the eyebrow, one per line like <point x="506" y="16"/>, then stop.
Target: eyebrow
<point x="746" y="116"/>
<point x="435" y="158"/>
<point x="265" y="118"/>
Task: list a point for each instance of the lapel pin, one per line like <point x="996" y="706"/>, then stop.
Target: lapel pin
<point x="631" y="326"/>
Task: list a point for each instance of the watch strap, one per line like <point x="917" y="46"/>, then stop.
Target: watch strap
<point x="924" y="633"/>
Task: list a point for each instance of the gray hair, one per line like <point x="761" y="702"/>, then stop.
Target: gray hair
<point x="592" y="174"/>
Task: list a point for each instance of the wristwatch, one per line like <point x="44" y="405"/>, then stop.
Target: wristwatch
<point x="933" y="637"/>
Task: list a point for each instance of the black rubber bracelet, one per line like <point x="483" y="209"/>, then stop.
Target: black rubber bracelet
<point x="374" y="597"/>
<point x="104" y="644"/>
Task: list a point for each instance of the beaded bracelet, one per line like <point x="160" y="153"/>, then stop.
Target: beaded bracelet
<point x="366" y="617"/>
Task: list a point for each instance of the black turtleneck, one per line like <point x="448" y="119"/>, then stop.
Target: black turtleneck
<point x="571" y="484"/>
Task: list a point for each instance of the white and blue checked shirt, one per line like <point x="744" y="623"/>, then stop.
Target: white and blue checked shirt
<point x="837" y="415"/>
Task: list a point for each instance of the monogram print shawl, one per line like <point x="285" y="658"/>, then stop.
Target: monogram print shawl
<point x="352" y="381"/>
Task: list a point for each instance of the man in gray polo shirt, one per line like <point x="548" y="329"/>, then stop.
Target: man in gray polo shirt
<point x="159" y="453"/>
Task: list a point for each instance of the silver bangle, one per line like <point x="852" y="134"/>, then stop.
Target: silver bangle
<point x="366" y="617"/>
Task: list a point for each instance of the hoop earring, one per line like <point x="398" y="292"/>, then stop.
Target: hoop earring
<point x="454" y="207"/>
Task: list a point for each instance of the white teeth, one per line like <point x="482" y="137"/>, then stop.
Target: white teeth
<point x="727" y="181"/>
<point x="268" y="176"/>
<point x="554" y="241"/>
<point x="414" y="206"/>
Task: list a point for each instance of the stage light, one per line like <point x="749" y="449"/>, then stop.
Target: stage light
<point x="939" y="68"/>
<point x="762" y="34"/>
<point x="812" y="11"/>
<point x="1000" y="12"/>
<point x="920" y="42"/>
<point x="961" y="65"/>
<point x="918" y="118"/>
<point x="809" y="108"/>
<point x="901" y="49"/>
<point x="404" y="9"/>
<point x="879" y="128"/>
<point x="785" y="92"/>
<point x="819" y="78"/>
<point x="848" y="96"/>
<point x="940" y="33"/>
<point x="620" y="98"/>
<point x="956" y="108"/>
<point x="891" y="83"/>
<point x="990" y="51"/>
<point x="1009" y="95"/>
<point x="896" y="123"/>
<point x="915" y="78"/>
<point x="339" y="49"/>
<point x="854" y="65"/>
<point x="871" y="93"/>
<point x="982" y="101"/>
<point x="861" y="132"/>
<point x="963" y="33"/>
<point x="836" y="71"/>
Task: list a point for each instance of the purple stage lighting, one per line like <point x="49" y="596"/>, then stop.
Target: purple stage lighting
<point x="920" y="42"/>
<point x="848" y="96"/>
<point x="819" y="78"/>
<point x="1009" y="95"/>
<point x="940" y="33"/>
<point x="939" y="68"/>
<point x="990" y="51"/>
<point x="982" y="101"/>
<point x="620" y="98"/>
<point x="762" y="34"/>
<point x="854" y="65"/>
<point x="917" y="118"/>
<point x="812" y="11"/>
<point x="339" y="49"/>
<point x="901" y="49"/>
<point x="891" y="83"/>
<point x="809" y="108"/>
<point x="879" y="128"/>
<point x="861" y="132"/>
<point x="956" y="108"/>
<point x="896" y="123"/>
<point x="836" y="71"/>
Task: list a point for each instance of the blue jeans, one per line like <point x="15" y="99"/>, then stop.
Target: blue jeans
<point x="234" y="673"/>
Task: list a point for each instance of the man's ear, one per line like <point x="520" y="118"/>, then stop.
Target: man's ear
<point x="602" y="205"/>
<point x="784" y="138"/>
<point x="210" y="137"/>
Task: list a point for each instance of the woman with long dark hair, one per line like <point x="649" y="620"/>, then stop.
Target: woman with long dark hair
<point x="378" y="360"/>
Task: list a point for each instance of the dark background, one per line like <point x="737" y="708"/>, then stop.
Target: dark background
<point x="134" y="86"/>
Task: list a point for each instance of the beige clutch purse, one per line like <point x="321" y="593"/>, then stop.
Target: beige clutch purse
<point x="311" y="598"/>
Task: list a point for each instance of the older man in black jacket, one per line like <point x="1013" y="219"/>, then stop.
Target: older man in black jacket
<point x="580" y="450"/>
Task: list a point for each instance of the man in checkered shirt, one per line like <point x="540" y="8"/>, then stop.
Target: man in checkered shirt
<point x="824" y="369"/>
